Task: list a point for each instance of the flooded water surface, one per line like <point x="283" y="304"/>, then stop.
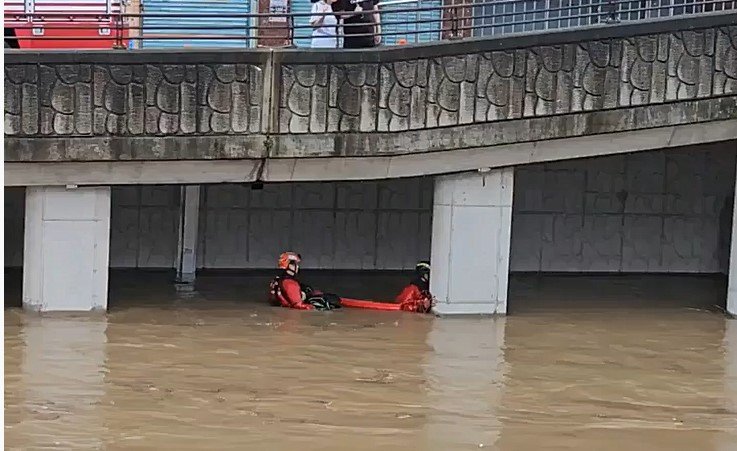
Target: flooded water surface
<point x="210" y="372"/>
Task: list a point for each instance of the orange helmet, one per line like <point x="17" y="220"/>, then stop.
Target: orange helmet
<point x="286" y="258"/>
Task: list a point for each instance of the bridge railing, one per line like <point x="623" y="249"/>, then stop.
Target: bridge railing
<point x="300" y="105"/>
<point x="402" y="22"/>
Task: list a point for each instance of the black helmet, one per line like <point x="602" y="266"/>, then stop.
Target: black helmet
<point x="422" y="267"/>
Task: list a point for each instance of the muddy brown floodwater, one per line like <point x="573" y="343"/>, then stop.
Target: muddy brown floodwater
<point x="209" y="372"/>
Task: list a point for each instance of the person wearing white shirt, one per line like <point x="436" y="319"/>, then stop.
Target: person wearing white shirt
<point x="324" y="25"/>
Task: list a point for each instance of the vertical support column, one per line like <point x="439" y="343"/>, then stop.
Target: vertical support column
<point x="732" y="282"/>
<point x="187" y="247"/>
<point x="471" y="228"/>
<point x="66" y="248"/>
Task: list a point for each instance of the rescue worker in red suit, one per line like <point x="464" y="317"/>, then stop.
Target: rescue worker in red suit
<point x="287" y="291"/>
<point x="416" y="296"/>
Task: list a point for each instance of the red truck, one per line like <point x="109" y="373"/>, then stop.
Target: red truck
<point x="64" y="24"/>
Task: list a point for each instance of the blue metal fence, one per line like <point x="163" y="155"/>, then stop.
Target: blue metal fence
<point x="222" y="23"/>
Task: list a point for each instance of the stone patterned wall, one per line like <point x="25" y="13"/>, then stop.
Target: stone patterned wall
<point x="441" y="97"/>
<point x="427" y="92"/>
<point x="643" y="212"/>
<point x="131" y="99"/>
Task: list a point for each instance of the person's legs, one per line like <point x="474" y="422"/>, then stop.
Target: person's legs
<point x="324" y="301"/>
<point x="351" y="42"/>
<point x="358" y="42"/>
<point x="324" y="42"/>
<point x="367" y="42"/>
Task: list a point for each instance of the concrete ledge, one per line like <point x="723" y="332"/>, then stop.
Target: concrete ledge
<point x="461" y="308"/>
<point x="445" y="162"/>
<point x="131" y="172"/>
<point x="365" y="168"/>
<point x="509" y="131"/>
<point x="132" y="148"/>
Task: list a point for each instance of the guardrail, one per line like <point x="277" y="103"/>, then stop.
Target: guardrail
<point x="399" y="23"/>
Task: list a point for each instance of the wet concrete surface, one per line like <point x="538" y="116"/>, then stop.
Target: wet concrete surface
<point x="582" y="363"/>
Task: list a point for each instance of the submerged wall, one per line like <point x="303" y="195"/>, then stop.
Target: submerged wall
<point x="364" y="225"/>
<point x="644" y="212"/>
<point x="15" y="202"/>
<point x="357" y="225"/>
<point x="650" y="212"/>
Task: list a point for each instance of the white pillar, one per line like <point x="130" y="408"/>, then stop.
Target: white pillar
<point x="66" y="248"/>
<point x="471" y="227"/>
<point x="732" y="282"/>
<point x="188" y="225"/>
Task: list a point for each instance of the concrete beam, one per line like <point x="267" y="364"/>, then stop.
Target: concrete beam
<point x="366" y="168"/>
<point x="445" y="162"/>
<point x="131" y="173"/>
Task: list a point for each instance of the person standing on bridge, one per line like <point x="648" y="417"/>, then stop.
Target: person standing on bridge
<point x="361" y="23"/>
<point x="324" y="25"/>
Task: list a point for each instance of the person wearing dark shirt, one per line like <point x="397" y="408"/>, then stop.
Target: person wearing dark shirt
<point x="361" y="23"/>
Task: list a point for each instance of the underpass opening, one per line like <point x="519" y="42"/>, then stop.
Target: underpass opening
<point x="641" y="230"/>
<point x="359" y="239"/>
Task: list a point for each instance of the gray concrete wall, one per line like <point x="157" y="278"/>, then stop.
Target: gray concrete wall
<point x="360" y="225"/>
<point x="650" y="211"/>
<point x="644" y="212"/>
<point x="14" y="217"/>
<point x="144" y="226"/>
<point x="442" y="97"/>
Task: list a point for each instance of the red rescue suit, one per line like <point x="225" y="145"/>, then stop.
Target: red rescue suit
<point x="287" y="292"/>
<point x="415" y="298"/>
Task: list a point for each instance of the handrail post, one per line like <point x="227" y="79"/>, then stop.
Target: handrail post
<point x="454" y="22"/>
<point x="119" y="30"/>
<point x="612" y="13"/>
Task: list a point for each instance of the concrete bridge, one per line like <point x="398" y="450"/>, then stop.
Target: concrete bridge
<point x="494" y="120"/>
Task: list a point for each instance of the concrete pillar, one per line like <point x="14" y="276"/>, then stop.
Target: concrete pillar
<point x="471" y="229"/>
<point x="732" y="282"/>
<point x="66" y="248"/>
<point x="188" y="226"/>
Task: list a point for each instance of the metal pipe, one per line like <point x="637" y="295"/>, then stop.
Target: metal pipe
<point x="451" y="18"/>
